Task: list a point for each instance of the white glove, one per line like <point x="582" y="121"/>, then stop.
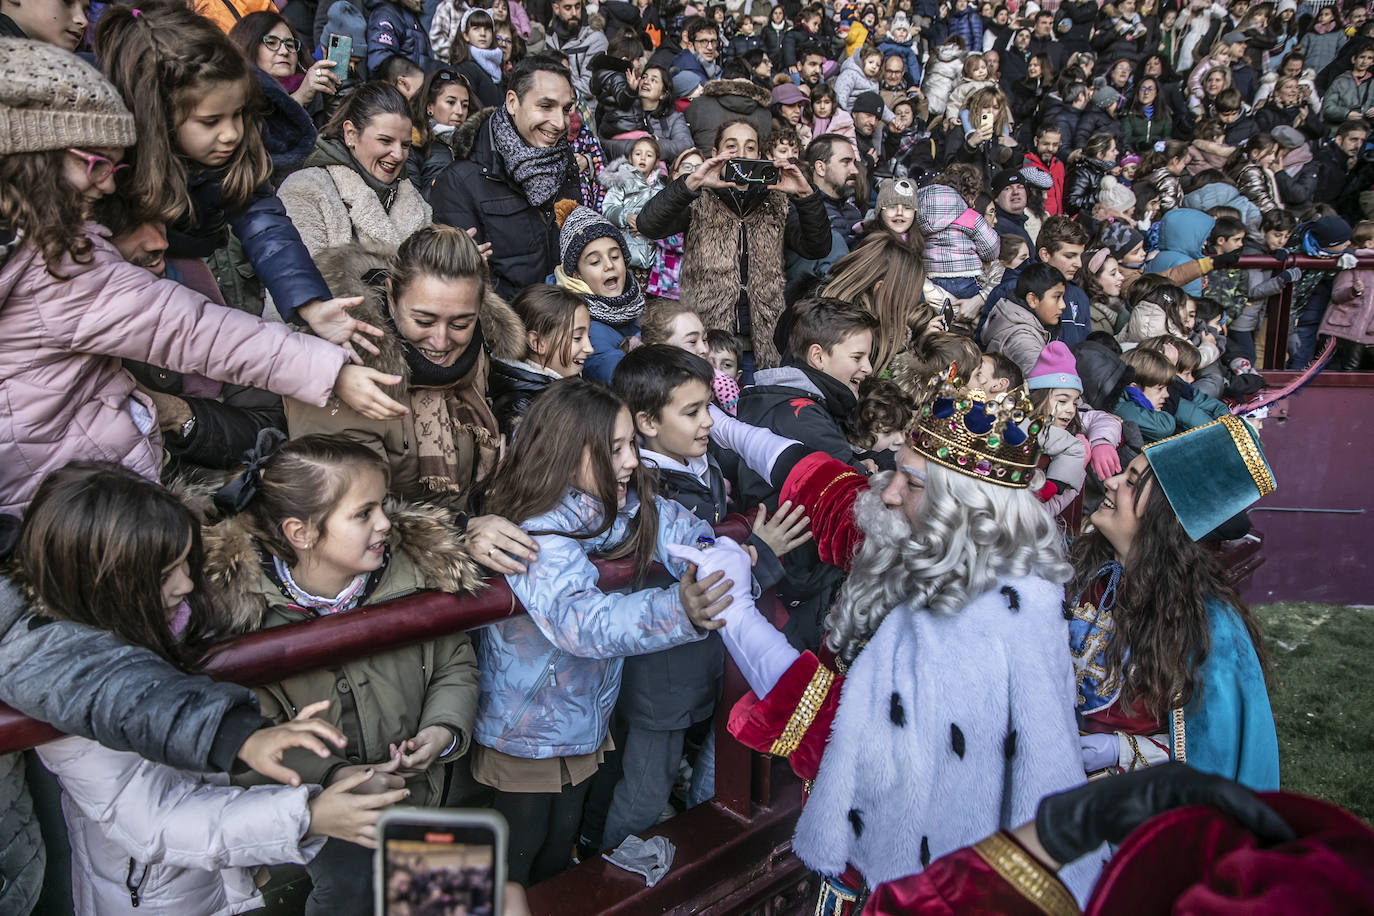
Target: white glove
<point x="1099" y="752"/>
<point x="761" y="652"/>
<point x="1347" y="261"/>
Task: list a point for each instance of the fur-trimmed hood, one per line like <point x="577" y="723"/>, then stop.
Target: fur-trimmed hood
<point x="344" y="268"/>
<point x="465" y="134"/>
<point x="621" y="174"/>
<point x="716" y="89"/>
<point x="422" y="536"/>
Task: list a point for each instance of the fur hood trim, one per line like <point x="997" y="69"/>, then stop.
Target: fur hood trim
<point x="717" y="88"/>
<point x="233" y="565"/>
<point x="465" y="135"/>
<point x="344" y="267"/>
<point x="621" y="174"/>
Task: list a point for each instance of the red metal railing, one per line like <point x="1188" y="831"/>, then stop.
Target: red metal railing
<point x="270" y="655"/>
<point x="1278" y="321"/>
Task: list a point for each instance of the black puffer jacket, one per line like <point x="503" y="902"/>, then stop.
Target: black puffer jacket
<point x="617" y="105"/>
<point x="1080" y="190"/>
<point x="511" y="387"/>
<point x="476" y="191"/>
<point x="1103" y="374"/>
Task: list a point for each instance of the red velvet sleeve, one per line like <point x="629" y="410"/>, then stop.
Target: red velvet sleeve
<point x="994" y="876"/>
<point x="827" y="487"/>
<point x="757" y="723"/>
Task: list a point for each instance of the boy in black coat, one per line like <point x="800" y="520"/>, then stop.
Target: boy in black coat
<point x="663" y="694"/>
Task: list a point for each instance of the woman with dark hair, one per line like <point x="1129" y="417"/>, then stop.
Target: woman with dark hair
<point x="1147" y="118"/>
<point x="438" y="109"/>
<point x="290" y="84"/>
<point x="666" y="123"/>
<point x="355" y="187"/>
<point x="1146" y="590"/>
<point x="1026" y="95"/>
<point x="1085" y="176"/>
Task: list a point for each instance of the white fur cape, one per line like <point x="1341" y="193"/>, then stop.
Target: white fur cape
<point x="949" y="727"/>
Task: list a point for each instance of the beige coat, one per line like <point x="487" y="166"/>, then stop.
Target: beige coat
<point x="332" y="206"/>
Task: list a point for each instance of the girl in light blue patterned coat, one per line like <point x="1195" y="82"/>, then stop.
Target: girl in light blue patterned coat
<point x="550" y="679"/>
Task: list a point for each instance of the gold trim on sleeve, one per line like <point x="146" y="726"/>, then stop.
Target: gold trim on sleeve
<point x="1027" y="876"/>
<point x="1180" y="743"/>
<point x="805" y="713"/>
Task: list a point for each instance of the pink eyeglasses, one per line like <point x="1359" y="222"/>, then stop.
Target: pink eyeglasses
<point x="98" y="168"/>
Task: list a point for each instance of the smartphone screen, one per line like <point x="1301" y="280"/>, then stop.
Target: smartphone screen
<point x="439" y="870"/>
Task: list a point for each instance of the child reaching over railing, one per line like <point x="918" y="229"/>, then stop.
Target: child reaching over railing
<point x="106" y="548"/>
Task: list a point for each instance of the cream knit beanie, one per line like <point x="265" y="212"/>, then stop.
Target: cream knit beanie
<point x="52" y="99"/>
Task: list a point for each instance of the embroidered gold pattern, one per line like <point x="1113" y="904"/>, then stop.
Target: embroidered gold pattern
<point x="1084" y="665"/>
<point x="1180" y="744"/>
<point x="804" y="714"/>
<point x="1026" y="875"/>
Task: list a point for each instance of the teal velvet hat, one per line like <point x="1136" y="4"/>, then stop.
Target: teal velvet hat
<point x="1211" y="473"/>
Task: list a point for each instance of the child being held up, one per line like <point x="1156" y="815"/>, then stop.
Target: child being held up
<point x="1194" y="406"/>
<point x="630" y="184"/>
<point x="1146" y="401"/>
<point x="664" y="694"/>
<point x="1021" y="323"/>
<point x="879" y="423"/>
<point x="1055" y="392"/>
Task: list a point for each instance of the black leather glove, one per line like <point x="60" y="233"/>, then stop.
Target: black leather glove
<point x="1074" y="823"/>
<point x="1230" y="259"/>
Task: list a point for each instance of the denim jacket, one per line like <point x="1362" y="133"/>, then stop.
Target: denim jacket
<point x="550" y="679"/>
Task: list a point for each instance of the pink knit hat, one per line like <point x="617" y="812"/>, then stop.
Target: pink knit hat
<point x="1054" y="369"/>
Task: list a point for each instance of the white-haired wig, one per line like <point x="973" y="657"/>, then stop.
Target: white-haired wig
<point x="967" y="535"/>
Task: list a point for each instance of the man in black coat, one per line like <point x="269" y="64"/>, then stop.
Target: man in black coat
<point x="518" y="166"/>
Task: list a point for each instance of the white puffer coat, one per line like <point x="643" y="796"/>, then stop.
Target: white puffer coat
<point x="151" y="840"/>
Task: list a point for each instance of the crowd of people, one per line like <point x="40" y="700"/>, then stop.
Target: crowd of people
<point x="306" y="307"/>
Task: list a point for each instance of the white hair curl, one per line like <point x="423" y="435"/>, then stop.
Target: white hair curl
<point x="967" y="535"/>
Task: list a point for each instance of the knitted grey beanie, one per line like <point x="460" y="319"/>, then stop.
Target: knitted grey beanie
<point x="582" y="227"/>
<point x="52" y="99"/>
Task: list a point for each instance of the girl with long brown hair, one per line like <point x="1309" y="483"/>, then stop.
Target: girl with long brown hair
<point x="885" y="275"/>
<point x="105" y="548"/>
<point x="550" y="679"/>
<point x="200" y="164"/>
<point x="1169" y="659"/>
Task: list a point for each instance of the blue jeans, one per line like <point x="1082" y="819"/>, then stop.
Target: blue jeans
<point x="958" y="287"/>
<point x="606" y="353"/>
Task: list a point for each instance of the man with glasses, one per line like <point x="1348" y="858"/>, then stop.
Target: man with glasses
<point x="700" y="50"/>
<point x="894" y="83"/>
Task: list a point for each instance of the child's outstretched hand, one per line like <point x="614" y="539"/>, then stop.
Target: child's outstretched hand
<point x="328" y="319"/>
<point x="419" y="753"/>
<point x="703" y="600"/>
<point x="264" y="748"/>
<point x="790" y="527"/>
<point x="360" y="388"/>
<point x="383" y="777"/>
<point x="1105" y="461"/>
<point x="341" y="812"/>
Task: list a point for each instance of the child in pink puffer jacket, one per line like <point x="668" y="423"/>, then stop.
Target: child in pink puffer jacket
<point x="71" y="307"/>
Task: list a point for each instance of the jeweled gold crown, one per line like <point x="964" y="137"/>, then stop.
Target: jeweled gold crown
<point x="966" y="430"/>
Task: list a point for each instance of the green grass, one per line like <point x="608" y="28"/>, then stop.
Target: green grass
<point x="1323" y="672"/>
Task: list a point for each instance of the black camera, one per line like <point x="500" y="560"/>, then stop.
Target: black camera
<point x="750" y="171"/>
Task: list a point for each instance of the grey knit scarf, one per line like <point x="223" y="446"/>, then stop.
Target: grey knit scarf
<point x="540" y="170"/>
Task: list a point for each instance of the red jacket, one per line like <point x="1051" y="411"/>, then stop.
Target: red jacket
<point x="1054" y="197"/>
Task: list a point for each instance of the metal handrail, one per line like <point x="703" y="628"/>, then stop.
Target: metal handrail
<point x="274" y="654"/>
<point x="1280" y="316"/>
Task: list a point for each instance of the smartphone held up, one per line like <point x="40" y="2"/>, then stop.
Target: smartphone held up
<point x="440" y="862"/>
